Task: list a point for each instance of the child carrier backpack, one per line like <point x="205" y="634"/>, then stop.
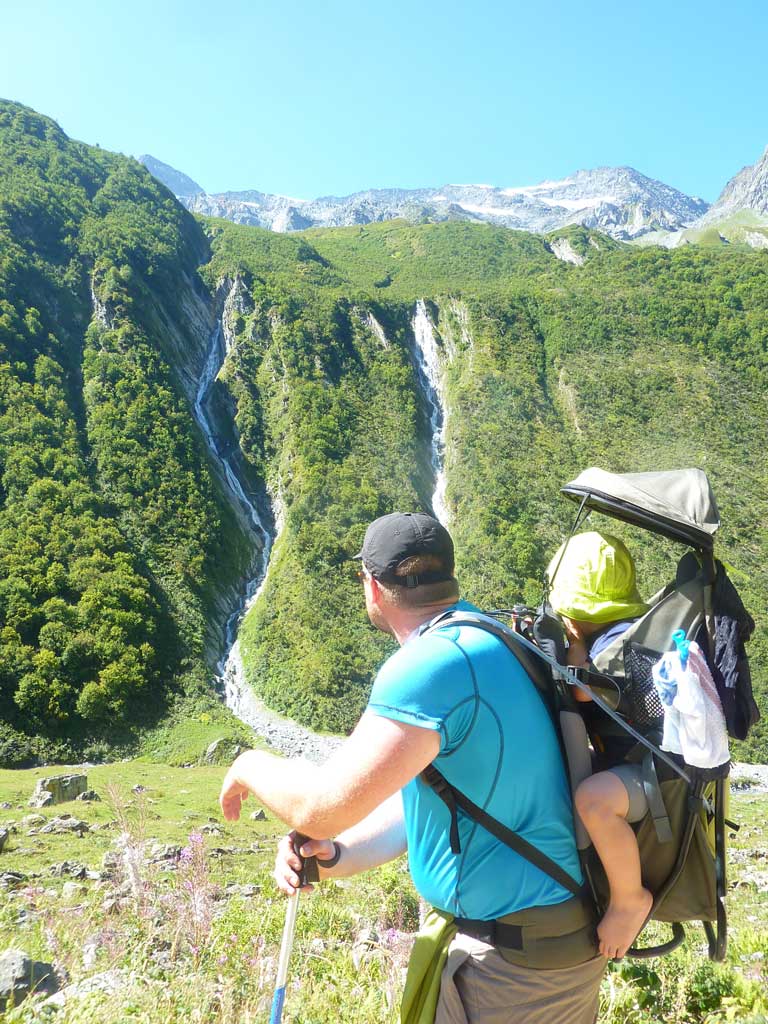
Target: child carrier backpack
<point x="682" y="838"/>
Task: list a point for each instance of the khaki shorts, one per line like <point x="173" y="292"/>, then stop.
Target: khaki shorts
<point x="478" y="986"/>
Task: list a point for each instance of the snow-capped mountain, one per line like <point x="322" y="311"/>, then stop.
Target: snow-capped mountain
<point x="617" y="200"/>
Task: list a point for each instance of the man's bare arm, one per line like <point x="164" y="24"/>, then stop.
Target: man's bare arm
<point x="374" y="763"/>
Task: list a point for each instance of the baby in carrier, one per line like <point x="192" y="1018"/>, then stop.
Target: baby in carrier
<point x="595" y="595"/>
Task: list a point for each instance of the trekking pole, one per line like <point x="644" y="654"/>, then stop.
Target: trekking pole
<point x="286" y="944"/>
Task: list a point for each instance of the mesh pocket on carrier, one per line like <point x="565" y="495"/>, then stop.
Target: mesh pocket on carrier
<point x="640" y="699"/>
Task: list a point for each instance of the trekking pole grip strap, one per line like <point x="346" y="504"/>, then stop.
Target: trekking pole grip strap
<point x="330" y="862"/>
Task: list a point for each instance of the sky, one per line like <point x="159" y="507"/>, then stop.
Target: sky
<point x="328" y="97"/>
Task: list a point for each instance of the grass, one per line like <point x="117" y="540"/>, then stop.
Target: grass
<point x="196" y="939"/>
<point x="184" y="736"/>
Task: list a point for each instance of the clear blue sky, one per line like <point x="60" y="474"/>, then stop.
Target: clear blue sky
<point x="330" y="96"/>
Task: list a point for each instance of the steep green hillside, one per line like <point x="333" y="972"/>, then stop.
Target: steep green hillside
<point x="636" y="360"/>
<point x="121" y="549"/>
<point x="113" y="532"/>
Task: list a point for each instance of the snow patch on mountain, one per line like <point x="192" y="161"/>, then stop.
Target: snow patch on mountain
<point x="617" y="200"/>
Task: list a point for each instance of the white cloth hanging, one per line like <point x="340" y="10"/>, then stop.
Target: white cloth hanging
<point x="694" y="724"/>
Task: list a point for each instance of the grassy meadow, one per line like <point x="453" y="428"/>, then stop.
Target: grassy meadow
<point x="163" y="913"/>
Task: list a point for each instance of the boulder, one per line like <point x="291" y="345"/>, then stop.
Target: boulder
<point x="114" y="904"/>
<point x="20" y="975"/>
<point x="221" y="751"/>
<point x="69" y="867"/>
<point x="110" y="862"/>
<point x="41" y="798"/>
<point x="160" y="852"/>
<point x="13" y="880"/>
<point x="33" y="821"/>
<point x="26" y="918"/>
<point x="71" y="890"/>
<point x="246" y="891"/>
<point x="58" y="789"/>
<point x="212" y="830"/>
<point x="65" y="823"/>
<point x="108" y="982"/>
<point x="213" y="751"/>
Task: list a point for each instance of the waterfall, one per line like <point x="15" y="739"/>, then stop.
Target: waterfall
<point x="431" y="381"/>
<point x="282" y="734"/>
<point x="230" y="675"/>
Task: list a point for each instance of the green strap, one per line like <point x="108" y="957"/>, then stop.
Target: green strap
<point x="655" y="800"/>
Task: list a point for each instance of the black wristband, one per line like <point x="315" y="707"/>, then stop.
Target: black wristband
<point x="332" y="861"/>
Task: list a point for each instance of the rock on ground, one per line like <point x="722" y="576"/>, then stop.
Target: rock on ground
<point x="109" y="982"/>
<point x="752" y="777"/>
<point x="58" y="789"/>
<point x="12" y="880"/>
<point x="20" y="975"/>
<point x="66" y="823"/>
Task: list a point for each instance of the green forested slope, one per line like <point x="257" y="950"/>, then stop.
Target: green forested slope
<point x="636" y="360"/>
<point x="117" y="544"/>
<point x="111" y="525"/>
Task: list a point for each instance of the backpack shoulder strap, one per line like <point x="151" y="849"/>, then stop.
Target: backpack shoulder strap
<point x="530" y="658"/>
<point x="453" y="798"/>
<point x="527" y="653"/>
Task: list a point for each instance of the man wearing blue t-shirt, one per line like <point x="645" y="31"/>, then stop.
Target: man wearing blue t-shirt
<point x="455" y="697"/>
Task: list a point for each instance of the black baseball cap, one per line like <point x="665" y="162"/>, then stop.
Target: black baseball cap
<point x="392" y="539"/>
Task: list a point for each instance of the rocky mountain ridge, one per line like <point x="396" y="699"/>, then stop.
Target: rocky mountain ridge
<point x="617" y="200"/>
<point x="739" y="215"/>
<point x="180" y="184"/>
<point x="747" y="190"/>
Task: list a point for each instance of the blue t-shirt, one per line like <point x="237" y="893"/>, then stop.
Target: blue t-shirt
<point x="498" y="746"/>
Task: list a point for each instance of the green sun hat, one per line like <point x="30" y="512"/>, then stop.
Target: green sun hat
<point x="595" y="581"/>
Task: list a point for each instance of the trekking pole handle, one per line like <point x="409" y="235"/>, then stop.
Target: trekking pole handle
<point x="308" y="871"/>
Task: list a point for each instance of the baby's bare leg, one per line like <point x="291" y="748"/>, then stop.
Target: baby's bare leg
<point x="602" y="802"/>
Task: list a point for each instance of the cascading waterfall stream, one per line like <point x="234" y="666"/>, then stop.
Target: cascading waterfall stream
<point x="230" y="669"/>
<point x="431" y="380"/>
<point x="284" y="735"/>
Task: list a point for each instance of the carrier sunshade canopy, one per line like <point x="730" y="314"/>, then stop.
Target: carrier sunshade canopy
<point x="677" y="503"/>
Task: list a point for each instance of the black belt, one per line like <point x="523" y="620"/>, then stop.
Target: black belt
<point x="548" y="937"/>
<point x="495" y="933"/>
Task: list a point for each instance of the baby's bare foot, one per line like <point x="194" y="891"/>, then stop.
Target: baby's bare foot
<point x="622" y="921"/>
